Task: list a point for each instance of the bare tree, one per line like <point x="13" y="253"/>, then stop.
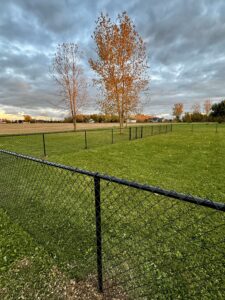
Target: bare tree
<point x="67" y="72"/>
<point x="196" y="108"/>
<point x="207" y="106"/>
<point x="178" y="109"/>
<point x="121" y="65"/>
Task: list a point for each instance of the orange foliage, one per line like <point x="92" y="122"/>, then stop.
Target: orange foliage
<point x="178" y="109"/>
<point x="142" y="118"/>
<point x="121" y="65"/>
<point x="27" y="118"/>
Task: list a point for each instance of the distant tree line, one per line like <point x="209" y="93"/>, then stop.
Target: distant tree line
<point x="97" y="118"/>
<point x="107" y="118"/>
<point x="212" y="112"/>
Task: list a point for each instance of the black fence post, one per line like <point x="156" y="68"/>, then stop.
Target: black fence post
<point x="44" y="147"/>
<point x="85" y="138"/>
<point x="130" y="133"/>
<point x="141" y="132"/>
<point x="136" y="133"/>
<point x="98" y="232"/>
<point x="112" y="136"/>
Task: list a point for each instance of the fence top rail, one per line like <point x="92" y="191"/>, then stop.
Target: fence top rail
<point x="156" y="190"/>
<point x="83" y="130"/>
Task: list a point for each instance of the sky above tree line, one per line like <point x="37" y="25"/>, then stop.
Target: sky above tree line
<point x="185" y="40"/>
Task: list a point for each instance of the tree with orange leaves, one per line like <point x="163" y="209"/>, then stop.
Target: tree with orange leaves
<point x="178" y="109"/>
<point x="121" y="65"/>
<point x="27" y="118"/>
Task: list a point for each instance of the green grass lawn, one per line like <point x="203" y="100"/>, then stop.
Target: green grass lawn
<point x="27" y="271"/>
<point x="187" y="162"/>
<point x="72" y="142"/>
<point x="176" y="249"/>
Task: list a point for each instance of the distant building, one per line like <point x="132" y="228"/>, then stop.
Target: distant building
<point x="131" y="120"/>
<point x="156" y="120"/>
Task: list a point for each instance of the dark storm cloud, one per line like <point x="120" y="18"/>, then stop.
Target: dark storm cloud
<point x="185" y="41"/>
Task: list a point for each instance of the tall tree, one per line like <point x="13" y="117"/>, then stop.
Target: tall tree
<point x="178" y="109"/>
<point x="68" y="74"/>
<point x="196" y="108"/>
<point x="218" y="109"/>
<point x="207" y="106"/>
<point x="121" y="65"/>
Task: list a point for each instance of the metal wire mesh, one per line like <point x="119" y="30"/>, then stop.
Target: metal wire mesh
<point x="205" y="128"/>
<point x="27" y="144"/>
<point x="55" y="206"/>
<point x="161" y="248"/>
<point x="142" y="242"/>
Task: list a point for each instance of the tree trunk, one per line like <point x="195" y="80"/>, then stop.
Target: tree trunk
<point x="74" y="123"/>
<point x="121" y="123"/>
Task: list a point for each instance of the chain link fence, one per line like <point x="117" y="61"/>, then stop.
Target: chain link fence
<point x="138" y="241"/>
<point x="199" y="127"/>
<point x="43" y="144"/>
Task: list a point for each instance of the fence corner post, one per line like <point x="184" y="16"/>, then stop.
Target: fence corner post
<point x="44" y="147"/>
<point x="98" y="232"/>
<point x="85" y="139"/>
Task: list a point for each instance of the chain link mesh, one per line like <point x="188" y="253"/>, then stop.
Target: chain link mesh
<point x="160" y="248"/>
<point x="153" y="246"/>
<point x="55" y="206"/>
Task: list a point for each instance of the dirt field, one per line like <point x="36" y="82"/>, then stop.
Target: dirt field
<point x="51" y="127"/>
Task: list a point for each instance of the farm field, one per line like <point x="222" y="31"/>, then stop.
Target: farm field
<point x="52" y="127"/>
<point x="188" y="160"/>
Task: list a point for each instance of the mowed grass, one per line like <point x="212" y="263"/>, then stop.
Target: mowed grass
<point x="27" y="271"/>
<point x="72" y="142"/>
<point x="185" y="161"/>
<point x="133" y="222"/>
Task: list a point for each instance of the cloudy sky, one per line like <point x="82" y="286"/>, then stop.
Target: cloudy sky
<point x="185" y="40"/>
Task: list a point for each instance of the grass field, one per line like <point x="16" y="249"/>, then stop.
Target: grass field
<point x="72" y="142"/>
<point x="188" y="160"/>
